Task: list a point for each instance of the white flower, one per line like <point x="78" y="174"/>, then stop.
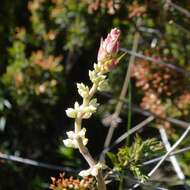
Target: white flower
<point x="85" y="173"/>
<point x="84" y="111"/>
<point x="82" y="133"/>
<point x="76" y="106"/>
<point x="83" y="90"/>
<point x="98" y="67"/>
<point x="89" y="109"/>
<point x="94" y="171"/>
<point x="73" y="137"/>
<point x="99" y="79"/>
<point x="103" y="86"/>
<point x="70" y="143"/>
<point x="94" y="103"/>
<point x="71" y="113"/>
<point x="91" y="171"/>
<point x="95" y="76"/>
<point x="92" y="75"/>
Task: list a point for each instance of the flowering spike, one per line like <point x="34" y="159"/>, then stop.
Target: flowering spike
<point x="107" y="60"/>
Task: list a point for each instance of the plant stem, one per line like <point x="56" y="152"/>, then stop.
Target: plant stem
<point x="171" y="150"/>
<point x="129" y="112"/>
<point x="82" y="148"/>
<point x="91" y="162"/>
<point x="173" y="159"/>
<point x="121" y="183"/>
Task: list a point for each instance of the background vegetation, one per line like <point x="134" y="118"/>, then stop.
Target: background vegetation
<point x="48" y="45"/>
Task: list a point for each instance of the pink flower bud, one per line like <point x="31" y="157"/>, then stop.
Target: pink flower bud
<point x="109" y="47"/>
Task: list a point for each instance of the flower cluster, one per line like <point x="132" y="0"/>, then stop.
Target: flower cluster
<point x="91" y="171"/>
<point x="107" y="60"/>
<point x="64" y="183"/>
<point x="72" y="138"/>
<point x="85" y="111"/>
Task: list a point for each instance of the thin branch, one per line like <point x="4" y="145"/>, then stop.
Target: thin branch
<point x="133" y="180"/>
<point x="173" y="159"/>
<point x="149" y="30"/>
<point x="177" y="152"/>
<point x="126" y="134"/>
<point x="133" y="130"/>
<point x="178" y="8"/>
<point x="114" y="174"/>
<point x="146" y="113"/>
<point x="35" y="163"/>
<point x="169" y="152"/>
<point x="160" y="62"/>
<point x="172" y="120"/>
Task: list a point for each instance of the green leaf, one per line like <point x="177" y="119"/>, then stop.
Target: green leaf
<point x="112" y="157"/>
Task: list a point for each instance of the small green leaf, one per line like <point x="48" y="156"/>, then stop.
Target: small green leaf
<point x="112" y="157"/>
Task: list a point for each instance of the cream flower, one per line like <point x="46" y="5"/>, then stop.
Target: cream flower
<point x="91" y="171"/>
<point x="72" y="138"/>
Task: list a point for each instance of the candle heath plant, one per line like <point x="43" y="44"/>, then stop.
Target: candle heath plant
<point x="107" y="60"/>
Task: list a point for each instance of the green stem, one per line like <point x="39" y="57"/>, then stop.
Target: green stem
<point x="121" y="183"/>
<point x="129" y="115"/>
